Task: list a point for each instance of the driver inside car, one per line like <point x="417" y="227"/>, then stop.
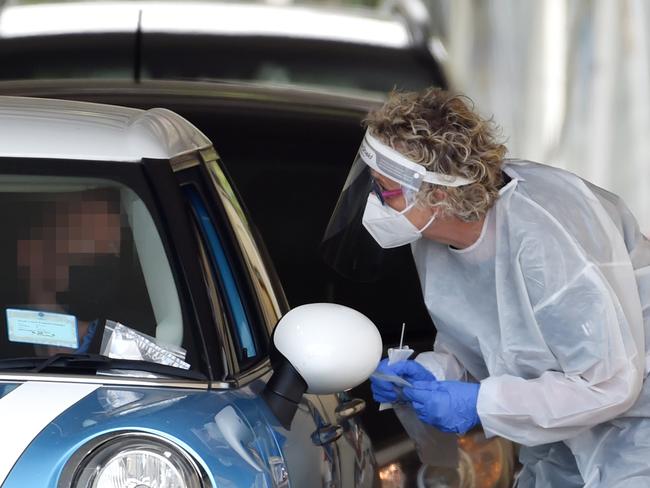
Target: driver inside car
<point x="70" y="260"/>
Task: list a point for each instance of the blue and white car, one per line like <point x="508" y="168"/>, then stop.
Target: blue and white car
<point x="138" y="337"/>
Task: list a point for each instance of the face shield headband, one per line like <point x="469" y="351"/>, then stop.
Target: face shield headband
<point x="392" y="164"/>
<point x="346" y="246"/>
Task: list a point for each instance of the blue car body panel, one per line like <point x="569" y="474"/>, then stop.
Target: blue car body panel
<point x="185" y="417"/>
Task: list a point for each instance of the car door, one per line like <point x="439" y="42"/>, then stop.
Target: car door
<point x="247" y="302"/>
<point x="358" y="464"/>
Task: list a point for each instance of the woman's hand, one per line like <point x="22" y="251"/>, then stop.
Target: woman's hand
<point x="387" y="392"/>
<point x="448" y="405"/>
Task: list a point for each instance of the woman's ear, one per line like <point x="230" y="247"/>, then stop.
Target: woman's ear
<point x="439" y="194"/>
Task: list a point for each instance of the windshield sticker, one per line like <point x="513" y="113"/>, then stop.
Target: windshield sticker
<point x="44" y="328"/>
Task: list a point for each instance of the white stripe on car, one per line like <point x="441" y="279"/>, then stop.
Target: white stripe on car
<point x="27" y="410"/>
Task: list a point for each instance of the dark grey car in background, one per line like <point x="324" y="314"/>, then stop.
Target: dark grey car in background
<point x="355" y="49"/>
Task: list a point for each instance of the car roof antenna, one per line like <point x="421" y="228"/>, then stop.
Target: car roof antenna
<point x="137" y="54"/>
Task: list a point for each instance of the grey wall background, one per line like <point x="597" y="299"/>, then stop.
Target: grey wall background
<point x="568" y="81"/>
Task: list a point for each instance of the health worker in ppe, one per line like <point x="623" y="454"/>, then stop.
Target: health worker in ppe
<point x="538" y="283"/>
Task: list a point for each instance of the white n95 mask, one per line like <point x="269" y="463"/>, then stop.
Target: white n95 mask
<point x="389" y="227"/>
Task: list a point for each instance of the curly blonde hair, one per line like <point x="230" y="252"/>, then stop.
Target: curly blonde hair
<point x="440" y="131"/>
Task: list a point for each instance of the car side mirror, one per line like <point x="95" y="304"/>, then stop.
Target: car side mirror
<point x="319" y="348"/>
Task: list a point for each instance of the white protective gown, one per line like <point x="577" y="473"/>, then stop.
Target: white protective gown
<point x="547" y="311"/>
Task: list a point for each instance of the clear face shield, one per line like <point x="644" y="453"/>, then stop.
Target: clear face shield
<point x="381" y="184"/>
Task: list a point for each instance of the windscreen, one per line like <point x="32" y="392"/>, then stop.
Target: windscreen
<point x="79" y="253"/>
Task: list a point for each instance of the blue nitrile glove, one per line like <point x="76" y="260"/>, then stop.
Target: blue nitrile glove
<point x="87" y="339"/>
<point x="385" y="391"/>
<point x="411" y="371"/>
<point x="448" y="405"/>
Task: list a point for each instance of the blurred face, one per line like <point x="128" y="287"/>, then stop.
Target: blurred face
<point x="77" y="234"/>
<point x="86" y="228"/>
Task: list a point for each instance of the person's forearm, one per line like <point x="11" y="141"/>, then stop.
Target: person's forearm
<point x="554" y="406"/>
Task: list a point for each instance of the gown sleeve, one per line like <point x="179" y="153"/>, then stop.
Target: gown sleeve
<point x="441" y="362"/>
<point x="583" y="311"/>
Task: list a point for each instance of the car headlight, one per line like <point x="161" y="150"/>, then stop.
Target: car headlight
<point x="132" y="460"/>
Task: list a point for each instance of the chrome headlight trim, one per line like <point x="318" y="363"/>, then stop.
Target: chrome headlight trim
<point x="78" y="470"/>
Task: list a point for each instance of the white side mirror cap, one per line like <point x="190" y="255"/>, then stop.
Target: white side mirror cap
<point x="333" y="347"/>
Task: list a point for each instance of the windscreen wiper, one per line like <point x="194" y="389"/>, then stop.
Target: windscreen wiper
<point x="93" y="363"/>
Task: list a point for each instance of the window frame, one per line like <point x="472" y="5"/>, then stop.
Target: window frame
<point x="221" y="270"/>
<point x="196" y="175"/>
<point x="222" y="308"/>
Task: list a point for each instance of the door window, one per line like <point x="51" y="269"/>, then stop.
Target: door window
<point x="243" y="332"/>
<point x="269" y="294"/>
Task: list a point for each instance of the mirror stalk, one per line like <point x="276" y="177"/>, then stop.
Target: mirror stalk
<point x="284" y="391"/>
